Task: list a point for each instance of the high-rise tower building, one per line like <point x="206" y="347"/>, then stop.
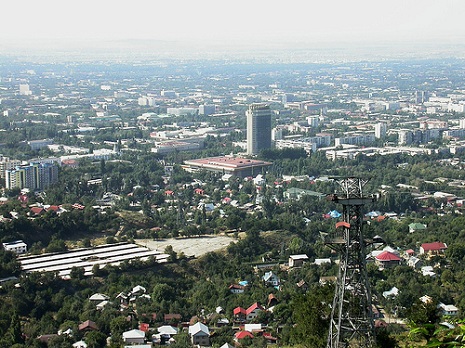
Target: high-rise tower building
<point x="258" y="128"/>
<point x="380" y="130"/>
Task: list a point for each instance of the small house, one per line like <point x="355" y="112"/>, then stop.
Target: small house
<point x="253" y="311"/>
<point x="200" y="334"/>
<point x="134" y="336"/>
<point x="236" y="289"/>
<point x="387" y="260"/>
<point x="431" y="249"/>
<point x="88" y="325"/>
<point x="297" y="260"/>
<point x="449" y="310"/>
<point x="240" y="335"/>
<point x="271" y="279"/>
<point x="240" y="314"/>
<point x="416" y="226"/>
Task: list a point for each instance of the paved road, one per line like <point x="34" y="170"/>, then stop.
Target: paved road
<point x="189" y="246"/>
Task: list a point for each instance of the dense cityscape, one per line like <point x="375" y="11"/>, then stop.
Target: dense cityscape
<point x="235" y="174"/>
<point x="128" y="187"/>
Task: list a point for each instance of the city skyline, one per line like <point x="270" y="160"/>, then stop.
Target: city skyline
<point x="207" y="25"/>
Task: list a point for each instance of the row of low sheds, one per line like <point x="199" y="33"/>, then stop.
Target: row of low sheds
<point x="87" y="258"/>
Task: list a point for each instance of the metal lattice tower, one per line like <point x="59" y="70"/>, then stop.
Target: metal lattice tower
<point x="351" y="315"/>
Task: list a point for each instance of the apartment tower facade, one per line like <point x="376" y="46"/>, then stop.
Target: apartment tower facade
<point x="258" y="128"/>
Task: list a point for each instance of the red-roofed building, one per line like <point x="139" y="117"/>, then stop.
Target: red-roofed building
<point x="239" y="314"/>
<point x="199" y="191"/>
<point x="37" y="211"/>
<point x="253" y="311"/>
<point x="237" y="166"/>
<point x="269" y="338"/>
<point x="55" y="208"/>
<point x="240" y="335"/>
<point x="144" y="327"/>
<point x="435" y="248"/>
<point x="172" y="317"/>
<point x="70" y="163"/>
<point x="387" y="259"/>
<point x="88" y="325"/>
<point x="410" y="252"/>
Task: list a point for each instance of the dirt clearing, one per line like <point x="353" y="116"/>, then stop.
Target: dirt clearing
<point x="189" y="246"/>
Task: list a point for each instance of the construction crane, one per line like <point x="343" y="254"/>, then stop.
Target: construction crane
<point x="351" y="322"/>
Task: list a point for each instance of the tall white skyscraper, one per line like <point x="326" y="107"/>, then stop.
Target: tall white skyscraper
<point x="380" y="130"/>
<point x="258" y="128"/>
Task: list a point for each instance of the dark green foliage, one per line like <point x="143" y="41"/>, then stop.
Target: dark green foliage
<point x="311" y="313"/>
<point x="9" y="266"/>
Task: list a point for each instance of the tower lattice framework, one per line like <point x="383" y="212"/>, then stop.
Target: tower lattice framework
<point x="351" y="314"/>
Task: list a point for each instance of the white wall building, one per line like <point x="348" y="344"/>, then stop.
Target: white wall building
<point x="18" y="247"/>
<point x="380" y="130"/>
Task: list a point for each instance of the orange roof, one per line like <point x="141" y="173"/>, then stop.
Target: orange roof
<point x="239" y="310"/>
<point x="342" y="224"/>
<point x="37" y="210"/>
<point x="243" y="334"/>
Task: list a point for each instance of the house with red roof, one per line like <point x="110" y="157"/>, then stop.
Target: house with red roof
<point x="431" y="249"/>
<point x="387" y="260"/>
<point x="270" y="339"/>
<point x="240" y="314"/>
<point x="88" y="325"/>
<point x="36" y="211"/>
<point x="199" y="191"/>
<point x="253" y="311"/>
<point x="240" y="335"/>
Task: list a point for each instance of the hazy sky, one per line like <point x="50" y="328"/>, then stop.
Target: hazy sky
<point x="238" y="20"/>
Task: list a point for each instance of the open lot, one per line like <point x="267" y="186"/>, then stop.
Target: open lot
<point x="189" y="246"/>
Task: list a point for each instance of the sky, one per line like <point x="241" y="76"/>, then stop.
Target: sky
<point x="26" y="22"/>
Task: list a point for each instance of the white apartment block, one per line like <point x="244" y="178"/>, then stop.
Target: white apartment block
<point x="380" y="130"/>
<point x="359" y="139"/>
<point x="296" y="144"/>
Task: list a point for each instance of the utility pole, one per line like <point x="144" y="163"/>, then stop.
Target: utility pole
<point x="351" y="314"/>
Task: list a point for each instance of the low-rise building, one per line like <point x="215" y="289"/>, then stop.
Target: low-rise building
<point x="134" y="336"/>
<point x="435" y="248"/>
<point x="297" y="260"/>
<point x="18" y="247"/>
<point x="237" y="166"/>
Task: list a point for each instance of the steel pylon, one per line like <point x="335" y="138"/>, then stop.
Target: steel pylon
<point x="351" y="313"/>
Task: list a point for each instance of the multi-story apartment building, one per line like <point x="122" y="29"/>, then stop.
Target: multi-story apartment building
<point x="35" y="176"/>
<point x="7" y="163"/>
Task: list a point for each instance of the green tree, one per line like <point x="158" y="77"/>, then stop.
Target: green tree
<point x="96" y="339"/>
<point x="311" y="317"/>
